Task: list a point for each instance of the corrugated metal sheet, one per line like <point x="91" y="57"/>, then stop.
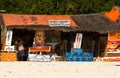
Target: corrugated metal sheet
<point x="33" y="20"/>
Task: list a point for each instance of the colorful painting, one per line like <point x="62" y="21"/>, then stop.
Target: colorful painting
<point x="113" y="43"/>
<point x="113" y="46"/>
<point x="39" y="38"/>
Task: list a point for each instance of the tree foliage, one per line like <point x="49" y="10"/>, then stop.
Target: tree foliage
<point x="57" y="6"/>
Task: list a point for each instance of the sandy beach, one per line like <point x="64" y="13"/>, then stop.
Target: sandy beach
<point x="59" y="69"/>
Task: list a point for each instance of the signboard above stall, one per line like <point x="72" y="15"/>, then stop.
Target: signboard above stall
<point x="58" y="23"/>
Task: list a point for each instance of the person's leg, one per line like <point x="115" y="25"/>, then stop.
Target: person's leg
<point x="22" y="58"/>
<point x="18" y="56"/>
<point x="26" y="56"/>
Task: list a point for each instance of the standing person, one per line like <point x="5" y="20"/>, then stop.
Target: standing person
<point x="21" y="54"/>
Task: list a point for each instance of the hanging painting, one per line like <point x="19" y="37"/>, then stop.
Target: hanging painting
<point x="113" y="43"/>
<point x="39" y="38"/>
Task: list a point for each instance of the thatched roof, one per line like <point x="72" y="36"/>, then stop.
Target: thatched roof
<point x="85" y="22"/>
<point x="95" y="23"/>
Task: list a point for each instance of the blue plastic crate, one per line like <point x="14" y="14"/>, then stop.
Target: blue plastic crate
<point x="78" y="53"/>
<point x="76" y="50"/>
<point x="91" y="54"/>
<point x="88" y="54"/>
<point x="67" y="53"/>
<point x="79" y="56"/>
<point x="80" y="59"/>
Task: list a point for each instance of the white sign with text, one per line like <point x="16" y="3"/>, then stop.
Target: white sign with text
<point x="9" y="48"/>
<point x="57" y="23"/>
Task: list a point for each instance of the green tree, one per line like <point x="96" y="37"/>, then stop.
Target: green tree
<point x="57" y="6"/>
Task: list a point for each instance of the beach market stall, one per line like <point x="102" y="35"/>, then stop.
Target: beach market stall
<point x="60" y="31"/>
<point x="113" y="47"/>
<point x="33" y="30"/>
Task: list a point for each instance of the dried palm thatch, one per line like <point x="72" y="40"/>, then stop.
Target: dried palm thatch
<point x="95" y="23"/>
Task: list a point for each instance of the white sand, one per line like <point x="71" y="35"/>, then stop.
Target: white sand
<point x="59" y="69"/>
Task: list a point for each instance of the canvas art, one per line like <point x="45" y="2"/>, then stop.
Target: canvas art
<point x="113" y="43"/>
<point x="39" y="38"/>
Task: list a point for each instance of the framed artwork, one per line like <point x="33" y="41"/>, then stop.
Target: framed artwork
<point x="39" y="38"/>
<point x="113" y="43"/>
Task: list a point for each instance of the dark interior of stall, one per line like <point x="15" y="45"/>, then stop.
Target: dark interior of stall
<point x="24" y="35"/>
<point x="63" y="41"/>
<point x="0" y="40"/>
<point x="91" y="42"/>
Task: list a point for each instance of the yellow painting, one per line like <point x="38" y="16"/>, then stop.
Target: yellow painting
<point x="39" y="38"/>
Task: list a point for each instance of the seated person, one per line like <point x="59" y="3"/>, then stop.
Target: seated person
<point x="22" y="55"/>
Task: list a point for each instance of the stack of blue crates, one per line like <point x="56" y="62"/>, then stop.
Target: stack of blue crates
<point x="78" y="55"/>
